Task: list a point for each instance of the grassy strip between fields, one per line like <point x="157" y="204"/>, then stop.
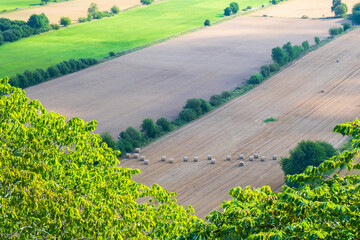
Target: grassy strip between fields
<point x="122" y="32"/>
<point x="195" y="108"/>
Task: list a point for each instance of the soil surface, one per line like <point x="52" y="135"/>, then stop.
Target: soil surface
<point x="293" y="97"/>
<point x="157" y="81"/>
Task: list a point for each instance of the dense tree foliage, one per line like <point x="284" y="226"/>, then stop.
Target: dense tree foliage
<point x="335" y="31"/>
<point x="39" y="22"/>
<point x="59" y="181"/>
<point x="317" y="40"/>
<point x="322" y="207"/>
<point x="227" y="11"/>
<point x="255" y="79"/>
<point x="207" y="22"/>
<point x="356" y="13"/>
<point x="306" y="153"/>
<point x="146" y="2"/>
<point x="234" y="6"/>
<point x="341" y="10"/>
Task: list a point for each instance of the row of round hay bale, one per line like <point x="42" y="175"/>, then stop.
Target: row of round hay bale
<point x="209" y="157"/>
<point x="241" y="164"/>
<point x="136" y="155"/>
<point x="146" y="162"/>
<point x="137" y="150"/>
<point x="196" y="159"/>
<point x="213" y="161"/>
<point x="228" y="158"/>
<point x="186" y="159"/>
<point x="171" y="160"/>
<point x="241" y="156"/>
<point x="163" y="158"/>
<point x="128" y="155"/>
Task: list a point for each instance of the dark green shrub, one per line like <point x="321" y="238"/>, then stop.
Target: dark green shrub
<point x="30" y="77"/>
<point x="227" y="11"/>
<point x="26" y="31"/>
<point x="111" y="54"/>
<point x="248" y="7"/>
<point x="216" y="100"/>
<point x="115" y="9"/>
<point x="22" y="80"/>
<point x="306" y="153"/>
<point x="207" y="22"/>
<point x="1" y="39"/>
<point x="356" y="13"/>
<point x="146" y="2"/>
<point x="317" y="40"/>
<point x="255" y="79"/>
<point x="99" y="15"/>
<point x="225" y="94"/>
<point x="335" y="31"/>
<point x="346" y="26"/>
<point x="274" y="67"/>
<point x="335" y="3"/>
<point x="205" y="106"/>
<point x="279" y="56"/>
<point x="44" y="74"/>
<point x="195" y="105"/>
<point x="275" y="2"/>
<point x="65" y="21"/>
<point x="149" y="128"/>
<point x="39" y="22"/>
<point x="10" y="36"/>
<point x="265" y="71"/>
<point x="53" y="71"/>
<point x="187" y="115"/>
<point x="305" y="45"/>
<point x="164" y="124"/>
<point x="234" y="7"/>
<point x="340" y="10"/>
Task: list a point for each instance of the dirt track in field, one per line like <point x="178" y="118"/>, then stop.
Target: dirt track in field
<point x="293" y="97"/>
<point x="299" y="8"/>
<point x="156" y="81"/>
<point x="72" y="9"/>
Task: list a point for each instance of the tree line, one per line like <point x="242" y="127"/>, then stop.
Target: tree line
<point x="30" y="78"/>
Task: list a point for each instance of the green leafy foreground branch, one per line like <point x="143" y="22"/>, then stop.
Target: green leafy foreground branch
<point x="58" y="181"/>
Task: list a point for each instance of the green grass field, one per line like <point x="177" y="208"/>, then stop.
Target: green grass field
<point x="13" y="4"/>
<point x="124" y="31"/>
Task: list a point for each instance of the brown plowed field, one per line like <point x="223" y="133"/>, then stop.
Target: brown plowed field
<point x="72" y="9"/>
<point x="156" y="81"/>
<point x="292" y="97"/>
<point x="299" y="8"/>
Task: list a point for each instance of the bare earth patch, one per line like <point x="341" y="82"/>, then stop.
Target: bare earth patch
<point x="293" y="97"/>
<point x="72" y="9"/>
<point x="299" y="8"/>
<point x="156" y="81"/>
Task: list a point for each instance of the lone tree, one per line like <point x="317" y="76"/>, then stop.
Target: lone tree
<point x="207" y="22"/>
<point x="335" y="3"/>
<point x="306" y="153"/>
<point x="39" y="22"/>
<point x="340" y="10"/>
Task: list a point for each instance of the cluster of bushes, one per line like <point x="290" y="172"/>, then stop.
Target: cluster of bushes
<point x="31" y="78"/>
<point x="94" y="13"/>
<point x="11" y="31"/>
<point x="132" y="138"/>
<point x="233" y="8"/>
<point x="335" y="31"/>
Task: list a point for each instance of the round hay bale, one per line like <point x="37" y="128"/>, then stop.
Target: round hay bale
<point x="322" y="90"/>
<point x="171" y="160"/>
<point x="128" y="155"/>
<point x="262" y="158"/>
<point x="241" y="164"/>
<point x="228" y="158"/>
<point x="146" y="162"/>
<point x="142" y="158"/>
<point x="136" y="155"/>
<point x="337" y="60"/>
<point x="209" y="157"/>
<point x="256" y="155"/>
<point x="212" y="161"/>
<point x="163" y="158"/>
<point x="241" y="156"/>
<point x="274" y="157"/>
<point x="186" y="159"/>
<point x="137" y="150"/>
<point x="251" y="158"/>
<point x="196" y="159"/>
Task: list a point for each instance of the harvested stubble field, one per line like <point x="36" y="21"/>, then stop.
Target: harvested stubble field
<point x="293" y="97"/>
<point x="299" y="8"/>
<point x="72" y="9"/>
<point x="156" y="81"/>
